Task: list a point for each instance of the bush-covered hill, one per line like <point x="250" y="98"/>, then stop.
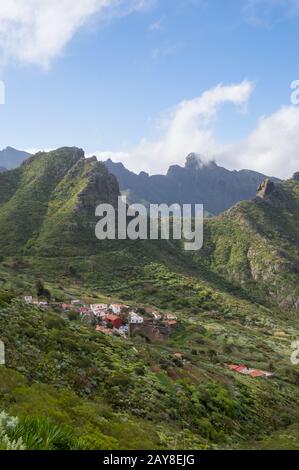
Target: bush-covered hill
<point x="255" y="245"/>
<point x="115" y="393"/>
<point x="236" y="302"/>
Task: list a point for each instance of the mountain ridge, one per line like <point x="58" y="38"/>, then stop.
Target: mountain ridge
<point x="11" y="158"/>
<point x="195" y="183"/>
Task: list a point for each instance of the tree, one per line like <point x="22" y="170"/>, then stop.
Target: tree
<point x="42" y="291"/>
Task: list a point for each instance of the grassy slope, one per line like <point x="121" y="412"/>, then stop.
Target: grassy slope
<point x="255" y="246"/>
<point x="134" y="386"/>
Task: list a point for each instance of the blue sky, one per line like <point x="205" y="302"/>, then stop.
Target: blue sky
<point x="117" y="83"/>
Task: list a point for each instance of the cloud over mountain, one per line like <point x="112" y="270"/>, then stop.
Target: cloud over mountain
<point x="270" y="148"/>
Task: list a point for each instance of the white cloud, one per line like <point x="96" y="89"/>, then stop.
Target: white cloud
<point x="272" y="147"/>
<point x="36" y="31"/>
<point x="184" y="129"/>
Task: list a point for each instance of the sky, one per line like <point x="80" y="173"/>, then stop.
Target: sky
<point x="146" y="82"/>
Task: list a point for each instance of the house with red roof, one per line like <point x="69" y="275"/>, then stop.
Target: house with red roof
<point x="114" y="320"/>
<point x="241" y="369"/>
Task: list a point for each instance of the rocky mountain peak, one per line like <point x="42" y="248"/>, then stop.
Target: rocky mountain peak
<point x="296" y="176"/>
<point x="266" y="188"/>
<point x="195" y="161"/>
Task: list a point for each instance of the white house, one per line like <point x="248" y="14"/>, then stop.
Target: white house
<point x="28" y="299"/>
<point x="116" y="308"/>
<point x="135" y="319"/>
<point x="156" y="315"/>
<point x="170" y="316"/>
<point x="99" y="307"/>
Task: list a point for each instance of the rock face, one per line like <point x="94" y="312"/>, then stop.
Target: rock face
<point x="152" y="333"/>
<point x="198" y="182"/>
<point x="266" y="188"/>
<point x="101" y="187"/>
<point x="296" y="176"/>
<point x="272" y="193"/>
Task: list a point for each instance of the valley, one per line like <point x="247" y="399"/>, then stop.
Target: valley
<point x="235" y="303"/>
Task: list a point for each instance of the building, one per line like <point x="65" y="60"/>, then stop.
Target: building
<point x="116" y="308"/>
<point x="28" y="299"/>
<point x="83" y="310"/>
<point x="67" y="306"/>
<point x="251" y="372"/>
<point x="157" y="316"/>
<point x="102" y="329"/>
<point x="114" y="320"/>
<point x="135" y="319"/>
<point x="96" y="307"/>
<point x="99" y="310"/>
<point x="170" y="316"/>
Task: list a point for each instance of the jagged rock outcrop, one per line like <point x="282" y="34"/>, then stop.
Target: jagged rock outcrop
<point x="272" y="193"/>
<point x="266" y="188"/>
<point x="197" y="182"/>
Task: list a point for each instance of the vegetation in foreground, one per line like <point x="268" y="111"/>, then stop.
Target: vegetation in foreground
<point x="66" y="386"/>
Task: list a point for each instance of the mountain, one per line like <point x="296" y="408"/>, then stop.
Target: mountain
<point x="2" y="169"/>
<point x="48" y="202"/>
<point x="236" y="302"/>
<point x="11" y="158"/>
<point x="255" y="244"/>
<point x="197" y="182"/>
<point x="47" y="206"/>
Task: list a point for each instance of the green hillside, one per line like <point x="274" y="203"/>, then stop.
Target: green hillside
<point x="255" y="245"/>
<point x="236" y="302"/>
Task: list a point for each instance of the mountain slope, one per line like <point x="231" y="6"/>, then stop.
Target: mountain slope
<point x="178" y="392"/>
<point x="47" y="206"/>
<point x="11" y="158"/>
<point x="49" y="199"/>
<point x="215" y="187"/>
<point x="255" y="245"/>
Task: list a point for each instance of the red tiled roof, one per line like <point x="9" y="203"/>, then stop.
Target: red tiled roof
<point x="240" y="368"/>
<point x="111" y="318"/>
<point x="257" y="373"/>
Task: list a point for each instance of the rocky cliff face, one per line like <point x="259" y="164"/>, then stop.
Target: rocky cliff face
<point x="197" y="182"/>
<point x="101" y="187"/>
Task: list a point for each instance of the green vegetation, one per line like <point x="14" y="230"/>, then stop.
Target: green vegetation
<point x="236" y="302"/>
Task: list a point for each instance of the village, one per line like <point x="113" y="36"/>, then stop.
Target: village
<point x="114" y="319"/>
<point x="125" y="321"/>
